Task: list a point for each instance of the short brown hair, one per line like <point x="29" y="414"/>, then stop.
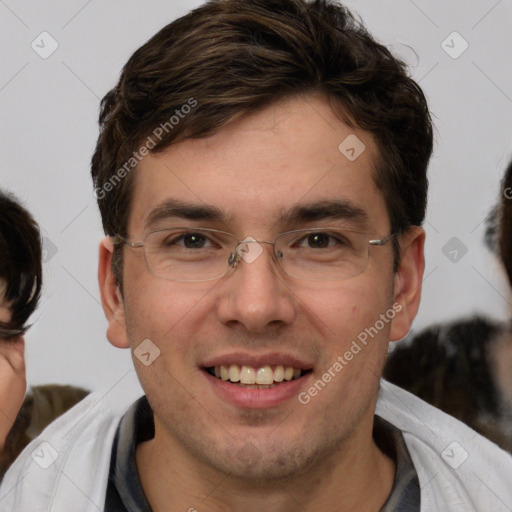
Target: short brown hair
<point x="236" y="56"/>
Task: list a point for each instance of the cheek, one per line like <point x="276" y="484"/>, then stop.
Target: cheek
<point x="156" y="312"/>
<point x="347" y="310"/>
<point x="354" y="324"/>
<point x="164" y="319"/>
<point x="167" y="313"/>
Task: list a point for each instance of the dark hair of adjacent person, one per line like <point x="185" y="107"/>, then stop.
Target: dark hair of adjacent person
<point x="239" y="56"/>
<point x="504" y="238"/>
<point x="41" y="406"/>
<point x="451" y="366"/>
<point x="20" y="263"/>
<point x="498" y="233"/>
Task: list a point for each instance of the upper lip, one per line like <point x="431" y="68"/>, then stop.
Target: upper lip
<point x="258" y="360"/>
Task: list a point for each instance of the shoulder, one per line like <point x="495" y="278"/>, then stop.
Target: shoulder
<point x="458" y="469"/>
<point x="66" y="467"/>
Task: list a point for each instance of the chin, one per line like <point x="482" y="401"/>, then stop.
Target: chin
<point x="263" y="461"/>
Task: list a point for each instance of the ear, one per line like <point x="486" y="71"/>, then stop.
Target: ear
<point x="111" y="297"/>
<point x="408" y="281"/>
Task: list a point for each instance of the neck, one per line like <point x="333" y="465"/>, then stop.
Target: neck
<point x="353" y="476"/>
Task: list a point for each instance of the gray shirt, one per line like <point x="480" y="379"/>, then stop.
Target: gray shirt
<point x="125" y="493"/>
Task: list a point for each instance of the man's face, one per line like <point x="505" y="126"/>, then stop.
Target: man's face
<point x="256" y="172"/>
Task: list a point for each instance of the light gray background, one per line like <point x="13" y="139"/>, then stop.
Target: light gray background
<point x="48" y="123"/>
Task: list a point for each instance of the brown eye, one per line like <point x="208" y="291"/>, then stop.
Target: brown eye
<point x="318" y="240"/>
<point x="194" y="240"/>
<point x="187" y="240"/>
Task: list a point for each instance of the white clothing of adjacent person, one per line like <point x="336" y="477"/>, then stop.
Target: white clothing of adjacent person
<point x="66" y="468"/>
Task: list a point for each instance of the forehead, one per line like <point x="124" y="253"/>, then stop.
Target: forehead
<point x="256" y="169"/>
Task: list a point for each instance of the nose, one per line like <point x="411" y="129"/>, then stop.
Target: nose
<point x="255" y="293"/>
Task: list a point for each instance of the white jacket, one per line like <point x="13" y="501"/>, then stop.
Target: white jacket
<point x="66" y="468"/>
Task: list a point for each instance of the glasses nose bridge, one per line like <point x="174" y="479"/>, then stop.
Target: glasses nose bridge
<point x="243" y="250"/>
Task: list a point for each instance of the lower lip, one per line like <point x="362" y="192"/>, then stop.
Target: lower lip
<point x="253" y="398"/>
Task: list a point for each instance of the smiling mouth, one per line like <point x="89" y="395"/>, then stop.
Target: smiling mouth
<point x="264" y="377"/>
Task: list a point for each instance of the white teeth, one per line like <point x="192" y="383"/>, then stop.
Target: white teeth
<point x="265" y="375"/>
<point x="254" y="377"/>
<point x="234" y="373"/>
<point x="279" y="373"/>
<point x="247" y="375"/>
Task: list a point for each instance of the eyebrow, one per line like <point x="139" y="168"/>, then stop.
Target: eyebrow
<point x="300" y="214"/>
<point x="183" y="210"/>
<point x="333" y="210"/>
